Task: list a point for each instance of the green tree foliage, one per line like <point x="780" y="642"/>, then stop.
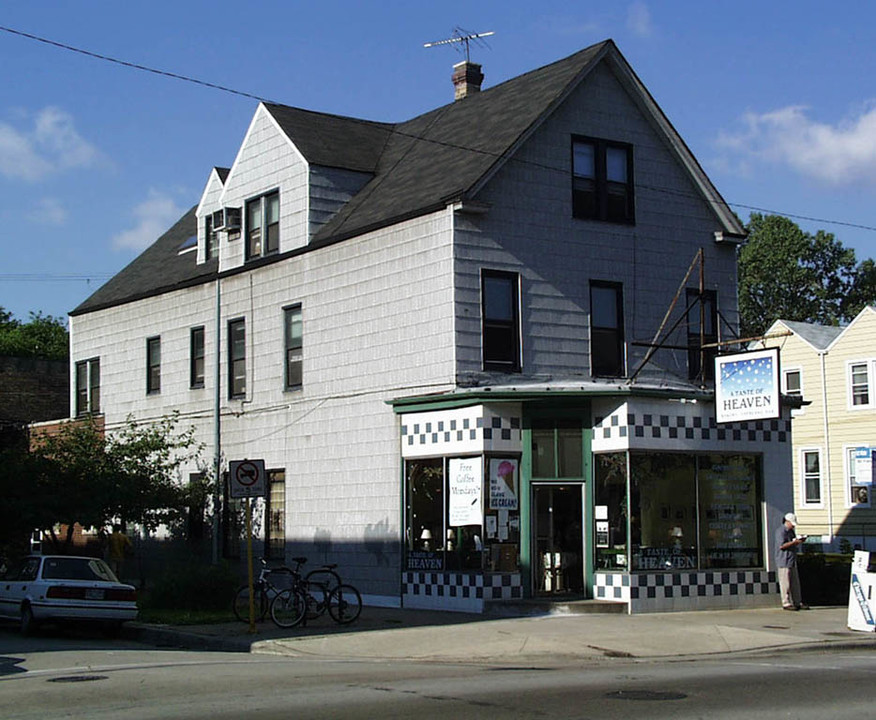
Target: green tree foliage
<point x="82" y="476"/>
<point x="786" y="273"/>
<point x="42" y="336"/>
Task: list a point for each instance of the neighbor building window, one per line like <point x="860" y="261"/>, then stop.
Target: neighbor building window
<point x="859" y="384"/>
<point x="153" y="365"/>
<point x="237" y="358"/>
<point x="702" y="327"/>
<point x="859" y="473"/>
<point x="811" y="476"/>
<point x="88" y="387"/>
<point x="602" y="180"/>
<point x="293" y="345"/>
<point x="196" y="353"/>
<point x="500" y="314"/>
<point x="606" y="329"/>
<point x="263" y="226"/>
<point x="793" y="383"/>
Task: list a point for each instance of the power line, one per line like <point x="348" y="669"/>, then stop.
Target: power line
<point x="495" y="155"/>
<point x="124" y="63"/>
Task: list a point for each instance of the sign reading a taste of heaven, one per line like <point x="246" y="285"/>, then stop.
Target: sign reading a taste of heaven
<point x="747" y="386"/>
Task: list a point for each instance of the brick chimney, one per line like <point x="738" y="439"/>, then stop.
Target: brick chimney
<point x="467" y="78"/>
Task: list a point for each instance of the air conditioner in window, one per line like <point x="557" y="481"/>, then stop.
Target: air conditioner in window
<point x="226" y="219"/>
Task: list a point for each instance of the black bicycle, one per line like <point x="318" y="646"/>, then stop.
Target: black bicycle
<point x="342" y="600"/>
<point x="328" y="593"/>
<point x="270" y="584"/>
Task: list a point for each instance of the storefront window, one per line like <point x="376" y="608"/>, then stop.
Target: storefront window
<point x="663" y="511"/>
<point x="557" y="450"/>
<point x="730" y="527"/>
<point x="610" y="511"/>
<point x="458" y="519"/>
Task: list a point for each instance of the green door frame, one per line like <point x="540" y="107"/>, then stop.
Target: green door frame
<point x="555" y="411"/>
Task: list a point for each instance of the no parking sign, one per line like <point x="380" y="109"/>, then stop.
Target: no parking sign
<point x="247" y="478"/>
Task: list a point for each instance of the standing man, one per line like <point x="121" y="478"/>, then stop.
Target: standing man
<point x="119" y="546"/>
<point x="787" y="546"/>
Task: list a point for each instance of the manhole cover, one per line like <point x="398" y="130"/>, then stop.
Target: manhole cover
<point x="78" y="678"/>
<point x="645" y="695"/>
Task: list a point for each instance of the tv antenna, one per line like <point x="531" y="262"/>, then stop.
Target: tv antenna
<point x="463" y="36"/>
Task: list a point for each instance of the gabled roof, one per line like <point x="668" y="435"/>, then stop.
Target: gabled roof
<point x="421" y="165"/>
<point x="818" y="336"/>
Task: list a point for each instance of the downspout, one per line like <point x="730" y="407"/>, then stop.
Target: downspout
<point x="826" y="448"/>
<point x="217" y="437"/>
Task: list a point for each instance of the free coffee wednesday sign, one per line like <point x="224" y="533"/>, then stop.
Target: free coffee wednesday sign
<point x="747" y="386"/>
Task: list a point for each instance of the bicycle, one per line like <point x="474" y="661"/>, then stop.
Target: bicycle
<point x="302" y="601"/>
<point x="265" y="591"/>
<point x="342" y="600"/>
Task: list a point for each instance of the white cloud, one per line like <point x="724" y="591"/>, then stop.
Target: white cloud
<point x="639" y="19"/>
<point x="48" y="211"/>
<point x="154" y="216"/>
<point x="51" y="145"/>
<point x="839" y="154"/>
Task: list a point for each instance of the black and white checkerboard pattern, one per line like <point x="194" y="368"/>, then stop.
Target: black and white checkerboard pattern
<point x="686" y="427"/>
<point x="650" y="591"/>
<point x="444" y="432"/>
<point x="458" y="590"/>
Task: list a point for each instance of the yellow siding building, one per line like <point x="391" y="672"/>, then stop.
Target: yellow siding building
<point x="833" y="369"/>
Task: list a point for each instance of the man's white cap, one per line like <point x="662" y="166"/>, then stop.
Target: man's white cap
<point x="791" y="518"/>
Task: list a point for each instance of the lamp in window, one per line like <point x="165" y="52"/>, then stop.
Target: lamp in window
<point x="676" y="534"/>
<point x="426" y="538"/>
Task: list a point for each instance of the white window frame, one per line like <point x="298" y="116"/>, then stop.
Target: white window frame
<point x="848" y="474"/>
<point x="785" y="372"/>
<point x="850" y="395"/>
<point x="805" y="502"/>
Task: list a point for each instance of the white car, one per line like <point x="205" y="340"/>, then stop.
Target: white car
<point x="49" y="588"/>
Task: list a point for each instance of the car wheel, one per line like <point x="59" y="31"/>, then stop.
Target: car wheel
<point x="28" y="622"/>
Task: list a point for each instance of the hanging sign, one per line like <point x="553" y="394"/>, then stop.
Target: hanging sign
<point x="466" y="482"/>
<point x="747" y="386"/>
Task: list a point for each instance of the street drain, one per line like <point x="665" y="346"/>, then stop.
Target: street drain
<point x="78" y="678"/>
<point x="645" y="695"/>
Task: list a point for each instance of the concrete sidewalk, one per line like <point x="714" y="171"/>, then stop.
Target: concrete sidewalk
<point x="395" y="634"/>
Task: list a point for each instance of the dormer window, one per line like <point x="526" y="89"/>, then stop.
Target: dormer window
<point x="211" y="240"/>
<point x="263" y="226"/>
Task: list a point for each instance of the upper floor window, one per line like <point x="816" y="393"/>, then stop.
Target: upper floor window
<point x="811" y="476"/>
<point x="196" y="357"/>
<point x="263" y="225"/>
<point x="500" y="315"/>
<point x="211" y="239"/>
<point x="702" y="330"/>
<point x="859" y="384"/>
<point x="602" y="180"/>
<point x="153" y="365"/>
<point x="607" y="329"/>
<point x="88" y="386"/>
<point x="237" y="358"/>
<point x="792" y="382"/>
<point x="293" y="340"/>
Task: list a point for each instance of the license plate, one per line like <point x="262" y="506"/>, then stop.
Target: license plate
<point x="93" y="594"/>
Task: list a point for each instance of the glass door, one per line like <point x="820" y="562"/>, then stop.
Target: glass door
<point x="559" y="538"/>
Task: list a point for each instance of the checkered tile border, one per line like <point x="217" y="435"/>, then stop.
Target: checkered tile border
<point x="648" y="425"/>
<point x="643" y="587"/>
<point x="460" y="430"/>
<point x="461" y="586"/>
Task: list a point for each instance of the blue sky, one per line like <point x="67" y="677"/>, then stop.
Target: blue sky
<point x="775" y="99"/>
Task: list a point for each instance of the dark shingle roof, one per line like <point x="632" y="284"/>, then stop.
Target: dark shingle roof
<point x="818" y="336"/>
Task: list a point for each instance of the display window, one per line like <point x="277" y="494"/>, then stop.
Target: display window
<point x="463" y="514"/>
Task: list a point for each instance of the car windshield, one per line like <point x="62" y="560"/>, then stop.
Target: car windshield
<point x="77" y="569"/>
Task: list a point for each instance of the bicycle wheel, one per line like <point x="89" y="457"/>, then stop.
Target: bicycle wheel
<point x="345" y="604"/>
<point x="288" y="608"/>
<point x="240" y="606"/>
<point x="317" y="599"/>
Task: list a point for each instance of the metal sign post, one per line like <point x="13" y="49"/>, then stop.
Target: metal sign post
<point x="247" y="480"/>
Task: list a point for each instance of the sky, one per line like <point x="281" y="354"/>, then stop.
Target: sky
<point x="97" y="159"/>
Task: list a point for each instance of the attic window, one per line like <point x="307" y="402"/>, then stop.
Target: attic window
<point x="602" y="180"/>
<point x="263" y="226"/>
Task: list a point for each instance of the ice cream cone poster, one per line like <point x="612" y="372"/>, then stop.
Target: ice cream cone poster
<point x="503" y="485"/>
<point x="466" y="480"/>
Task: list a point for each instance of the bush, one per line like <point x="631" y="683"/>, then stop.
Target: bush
<point x="824" y="578"/>
<point x="192" y="586"/>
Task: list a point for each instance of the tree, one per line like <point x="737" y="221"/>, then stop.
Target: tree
<point x="42" y="336"/>
<point x="786" y="273"/>
<point x="83" y="476"/>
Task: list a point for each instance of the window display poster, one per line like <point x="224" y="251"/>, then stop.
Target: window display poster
<point x="466" y="481"/>
<point x="863" y="466"/>
<point x="747" y="386"/>
<point x="503" y="485"/>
